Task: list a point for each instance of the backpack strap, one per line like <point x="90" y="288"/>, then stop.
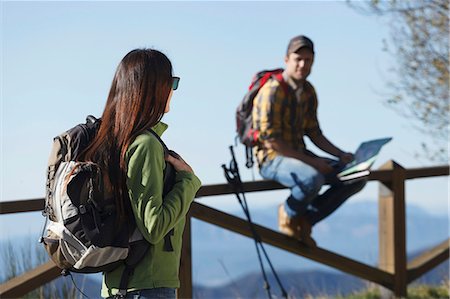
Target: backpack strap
<point x="168" y="173"/>
<point x="123" y="285"/>
<point x="279" y="78"/>
<point x="141" y="247"/>
<point x="264" y="79"/>
<point x="249" y="157"/>
<point x="130" y="265"/>
<point x="166" y="149"/>
<point x="277" y="75"/>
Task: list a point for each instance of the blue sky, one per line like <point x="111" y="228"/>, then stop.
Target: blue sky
<point x="58" y="60"/>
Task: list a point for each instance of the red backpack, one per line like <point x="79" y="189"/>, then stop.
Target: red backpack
<point x="244" y="121"/>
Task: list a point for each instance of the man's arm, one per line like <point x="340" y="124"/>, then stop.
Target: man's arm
<point x="285" y="150"/>
<point x="314" y="132"/>
<point x="324" y="144"/>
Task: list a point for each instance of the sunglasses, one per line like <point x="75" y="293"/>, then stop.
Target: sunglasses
<point x="175" y="82"/>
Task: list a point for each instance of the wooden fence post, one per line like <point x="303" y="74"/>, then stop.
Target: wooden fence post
<point x="185" y="290"/>
<point x="392" y="227"/>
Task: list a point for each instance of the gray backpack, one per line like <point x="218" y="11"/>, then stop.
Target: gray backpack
<point x="81" y="233"/>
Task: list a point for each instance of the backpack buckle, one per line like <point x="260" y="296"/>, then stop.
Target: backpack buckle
<point x="82" y="209"/>
<point x="121" y="294"/>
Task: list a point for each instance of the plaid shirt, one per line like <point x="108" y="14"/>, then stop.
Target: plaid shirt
<point x="286" y="117"/>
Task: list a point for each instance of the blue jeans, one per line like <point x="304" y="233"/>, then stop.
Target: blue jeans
<point x="305" y="183"/>
<point x="156" y="293"/>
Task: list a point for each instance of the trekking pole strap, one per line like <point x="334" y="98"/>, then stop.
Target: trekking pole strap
<point x="249" y="157"/>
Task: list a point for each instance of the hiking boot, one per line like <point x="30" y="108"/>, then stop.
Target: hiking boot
<point x="305" y="232"/>
<point x="288" y="226"/>
<point x="296" y="227"/>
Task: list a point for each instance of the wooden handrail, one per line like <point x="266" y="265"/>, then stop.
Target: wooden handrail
<point x="27" y="282"/>
<point x="287" y="243"/>
<point x="21" y="206"/>
<point x="32" y="205"/>
<point x="428" y="260"/>
<point x="427" y="172"/>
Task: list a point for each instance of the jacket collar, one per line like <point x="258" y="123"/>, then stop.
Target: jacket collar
<point x="292" y="83"/>
<point x="159" y="128"/>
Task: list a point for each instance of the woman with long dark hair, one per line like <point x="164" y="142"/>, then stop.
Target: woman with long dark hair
<point x="134" y="160"/>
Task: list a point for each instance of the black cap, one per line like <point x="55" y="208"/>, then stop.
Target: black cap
<point x="299" y="42"/>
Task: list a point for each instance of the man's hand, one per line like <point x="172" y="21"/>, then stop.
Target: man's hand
<point x="322" y="166"/>
<point x="346" y="157"/>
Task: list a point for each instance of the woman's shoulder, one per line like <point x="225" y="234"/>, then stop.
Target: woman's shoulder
<point x="145" y="142"/>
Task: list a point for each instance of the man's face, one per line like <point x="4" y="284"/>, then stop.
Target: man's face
<point x="298" y="64"/>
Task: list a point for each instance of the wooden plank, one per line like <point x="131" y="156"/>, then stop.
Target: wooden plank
<point x="185" y="290"/>
<point x="392" y="228"/>
<point x="20" y="206"/>
<point x="25" y="283"/>
<point x="268" y="185"/>
<point x="383" y="175"/>
<point x="400" y="276"/>
<point x="225" y="189"/>
<point x="427" y="172"/>
<point x="385" y="229"/>
<point x="292" y="245"/>
<point x="428" y="260"/>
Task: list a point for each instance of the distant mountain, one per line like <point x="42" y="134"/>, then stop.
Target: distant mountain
<point x="298" y="284"/>
<point x="303" y="283"/>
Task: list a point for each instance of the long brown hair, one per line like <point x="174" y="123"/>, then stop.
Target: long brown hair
<point x="136" y="102"/>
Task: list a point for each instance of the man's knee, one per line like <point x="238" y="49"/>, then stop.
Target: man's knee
<point x="317" y="182"/>
<point x="355" y="187"/>
<point x="359" y="185"/>
<point x="310" y="185"/>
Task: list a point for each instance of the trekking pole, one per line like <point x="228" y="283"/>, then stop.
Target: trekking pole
<point x="235" y="168"/>
<point x="255" y="236"/>
<point x="258" y="241"/>
<point x="241" y="190"/>
<point x="233" y="177"/>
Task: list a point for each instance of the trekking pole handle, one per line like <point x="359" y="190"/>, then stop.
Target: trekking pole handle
<point x="227" y="176"/>
<point x="234" y="164"/>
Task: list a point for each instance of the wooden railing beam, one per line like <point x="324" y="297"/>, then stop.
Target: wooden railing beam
<point x="427" y="172"/>
<point x="392" y="228"/>
<point x="382" y="175"/>
<point x="428" y="260"/>
<point x="284" y="242"/>
<point x="185" y="290"/>
<point x="21" y="285"/>
<point x="22" y="206"/>
<point x="226" y="189"/>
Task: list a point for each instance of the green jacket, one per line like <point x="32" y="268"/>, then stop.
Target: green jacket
<point x="154" y="216"/>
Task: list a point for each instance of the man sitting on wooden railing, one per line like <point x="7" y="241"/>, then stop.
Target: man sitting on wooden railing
<point x="283" y="116"/>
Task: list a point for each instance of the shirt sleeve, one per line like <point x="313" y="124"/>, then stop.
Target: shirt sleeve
<point x="156" y="216"/>
<point x="266" y="114"/>
<point x="312" y="128"/>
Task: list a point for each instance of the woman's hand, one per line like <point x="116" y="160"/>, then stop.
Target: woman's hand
<point x="178" y="163"/>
